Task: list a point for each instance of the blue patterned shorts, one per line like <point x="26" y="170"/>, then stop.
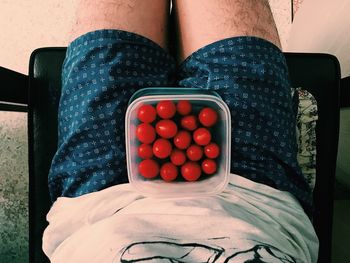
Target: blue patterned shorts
<point x="104" y="68"/>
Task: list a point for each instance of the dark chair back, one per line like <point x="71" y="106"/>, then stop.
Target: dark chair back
<point x="44" y="94"/>
<point x="320" y="75"/>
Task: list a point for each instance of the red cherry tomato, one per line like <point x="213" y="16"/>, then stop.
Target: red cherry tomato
<point x="191" y="171"/>
<point x="182" y="139"/>
<point x="209" y="166"/>
<point x="149" y="168"/>
<point x="178" y="157"/>
<point x="207" y="117"/>
<point x="212" y="150"/>
<point x="184" y="107"/>
<point x="162" y="148"/>
<point x="168" y="172"/>
<point x="202" y="136"/>
<point x="194" y="152"/>
<point x="166" y="128"/>
<point x="146" y="113"/>
<point x="145" y="133"/>
<point x="145" y="151"/>
<point x="189" y="122"/>
<point x="166" y="109"/>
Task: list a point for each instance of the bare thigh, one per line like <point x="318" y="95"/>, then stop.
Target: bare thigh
<point x="201" y="22"/>
<point x="147" y="17"/>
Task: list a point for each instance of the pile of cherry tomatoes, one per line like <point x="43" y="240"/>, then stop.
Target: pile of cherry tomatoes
<point x="173" y="140"/>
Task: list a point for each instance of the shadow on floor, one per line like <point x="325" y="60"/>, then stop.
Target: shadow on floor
<point x="341" y="224"/>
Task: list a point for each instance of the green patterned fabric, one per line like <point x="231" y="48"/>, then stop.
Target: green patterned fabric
<point x="306" y="135"/>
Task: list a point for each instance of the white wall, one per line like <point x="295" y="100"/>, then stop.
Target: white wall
<point x="323" y="26"/>
<point x="30" y="24"/>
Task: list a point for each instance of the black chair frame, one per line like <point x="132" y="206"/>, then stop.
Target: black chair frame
<point x="39" y="94"/>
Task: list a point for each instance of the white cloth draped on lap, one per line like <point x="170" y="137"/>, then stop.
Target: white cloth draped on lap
<point x="247" y="221"/>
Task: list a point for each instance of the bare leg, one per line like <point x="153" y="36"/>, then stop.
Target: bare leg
<point x="147" y="17"/>
<point x="201" y="22"/>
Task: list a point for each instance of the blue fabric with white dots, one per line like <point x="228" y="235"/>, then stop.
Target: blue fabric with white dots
<point x="251" y="76"/>
<point x="101" y="71"/>
<point x="104" y="68"/>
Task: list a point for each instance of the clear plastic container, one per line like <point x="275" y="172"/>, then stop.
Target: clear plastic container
<point x="221" y="135"/>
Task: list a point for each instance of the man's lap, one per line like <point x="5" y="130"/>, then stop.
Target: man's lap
<point x="102" y="70"/>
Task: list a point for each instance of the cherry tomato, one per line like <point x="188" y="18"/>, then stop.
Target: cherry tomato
<point x="178" y="157"/>
<point x="166" y="128"/>
<point x="189" y="122"/>
<point x="149" y="168"/>
<point x="182" y="139"/>
<point x="162" y="148"/>
<point x="194" y="152"/>
<point x="145" y="151"/>
<point x="145" y="133"/>
<point x="168" y="172"/>
<point x="191" y="171"/>
<point x="166" y="109"/>
<point x="146" y="113"/>
<point x="209" y="166"/>
<point x="212" y="150"/>
<point x="184" y="107"/>
<point x="202" y="136"/>
<point x="207" y="117"/>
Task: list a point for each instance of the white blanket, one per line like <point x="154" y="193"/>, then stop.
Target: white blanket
<point x="247" y="221"/>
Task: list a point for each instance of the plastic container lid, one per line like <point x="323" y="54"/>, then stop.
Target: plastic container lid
<point x="221" y="135"/>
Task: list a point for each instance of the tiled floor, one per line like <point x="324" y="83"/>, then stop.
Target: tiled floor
<point x="13" y="188"/>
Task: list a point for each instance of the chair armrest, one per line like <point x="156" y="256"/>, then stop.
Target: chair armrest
<point x="345" y="92"/>
<point x="13" y="90"/>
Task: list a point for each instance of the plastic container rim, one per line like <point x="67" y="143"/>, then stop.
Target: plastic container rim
<point x="199" y="97"/>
